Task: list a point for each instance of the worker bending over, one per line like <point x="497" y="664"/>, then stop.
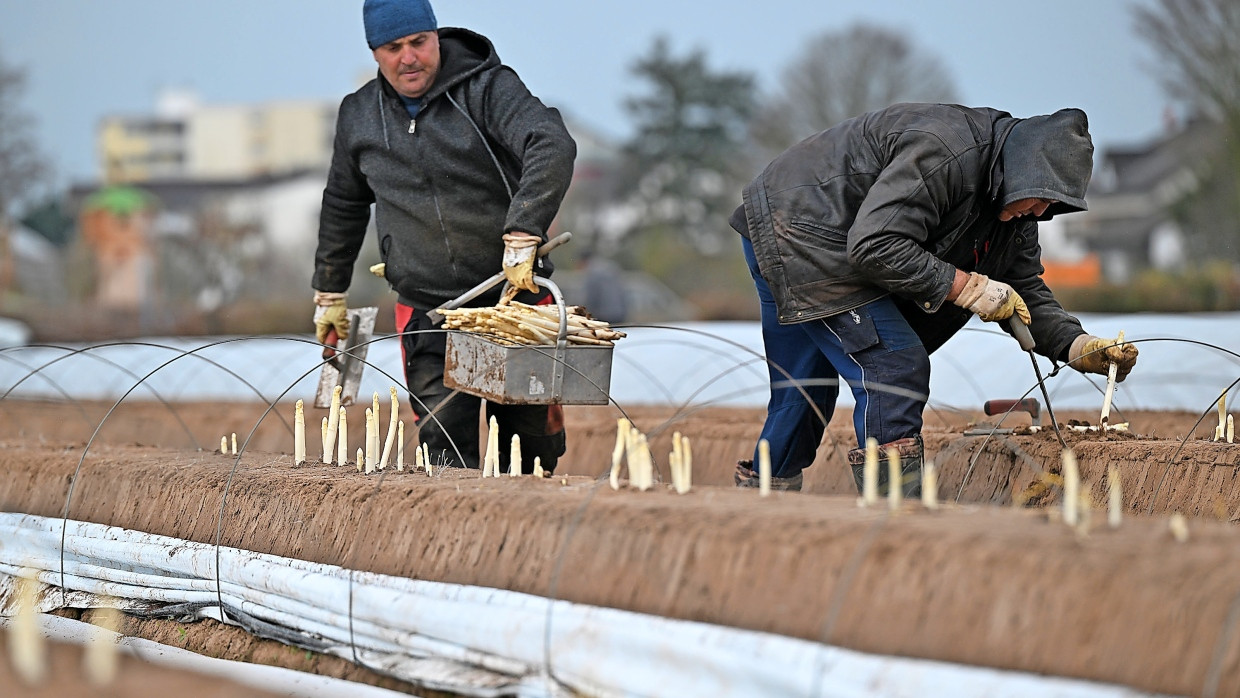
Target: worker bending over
<point x="873" y="242"/>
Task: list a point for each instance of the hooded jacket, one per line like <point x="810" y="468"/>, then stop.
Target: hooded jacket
<point x="482" y="158"/>
<point x="894" y="201"/>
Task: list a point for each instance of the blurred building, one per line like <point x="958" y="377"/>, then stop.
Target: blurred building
<point x="184" y="139"/>
<point x="236" y="192"/>
<point x="1149" y="203"/>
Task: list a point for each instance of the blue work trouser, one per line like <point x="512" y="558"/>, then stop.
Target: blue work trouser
<point x="871" y="347"/>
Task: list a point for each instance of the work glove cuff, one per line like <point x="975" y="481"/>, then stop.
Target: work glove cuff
<point x="1077" y="349"/>
<point x="972" y="291"/>
<point x="991" y="300"/>
<point x="329" y="298"/>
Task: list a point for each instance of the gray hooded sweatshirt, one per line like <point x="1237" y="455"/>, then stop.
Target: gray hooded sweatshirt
<point x="482" y="158"/>
<point x="894" y="201"/>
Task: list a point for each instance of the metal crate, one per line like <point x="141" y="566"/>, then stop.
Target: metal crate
<point x="522" y="374"/>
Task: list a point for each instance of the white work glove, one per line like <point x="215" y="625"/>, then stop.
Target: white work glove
<point x="991" y="300"/>
<point x="519" y="253"/>
<point x="1090" y="354"/>
<point x="330" y="313"/>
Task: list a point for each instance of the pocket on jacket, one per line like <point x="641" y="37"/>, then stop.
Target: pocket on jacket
<point x="813" y="232"/>
<point x="816" y="259"/>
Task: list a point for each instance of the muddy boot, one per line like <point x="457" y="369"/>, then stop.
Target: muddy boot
<point x="912" y="455"/>
<point x="746" y="476"/>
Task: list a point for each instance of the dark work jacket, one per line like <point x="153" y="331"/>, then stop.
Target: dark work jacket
<point x="482" y="158"/>
<point x="893" y="202"/>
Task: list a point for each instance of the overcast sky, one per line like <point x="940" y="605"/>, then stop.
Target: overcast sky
<point x="86" y="59"/>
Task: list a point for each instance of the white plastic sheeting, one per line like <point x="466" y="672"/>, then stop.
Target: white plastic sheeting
<point x="473" y="640"/>
<point x="271" y="679"/>
<point x="697" y="363"/>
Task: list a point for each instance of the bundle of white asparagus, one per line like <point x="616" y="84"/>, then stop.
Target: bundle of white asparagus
<point x="521" y="323"/>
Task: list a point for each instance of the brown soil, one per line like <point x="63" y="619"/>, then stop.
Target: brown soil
<point x="994" y="586"/>
<point x="135" y="679"/>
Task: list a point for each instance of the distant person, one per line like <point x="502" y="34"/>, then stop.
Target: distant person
<point x="875" y="241"/>
<point x="603" y="289"/>
<point x="459" y="160"/>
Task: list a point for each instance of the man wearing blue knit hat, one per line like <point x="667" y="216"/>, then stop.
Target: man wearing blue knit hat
<point x="459" y="161"/>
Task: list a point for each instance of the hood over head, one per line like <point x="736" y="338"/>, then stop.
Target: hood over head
<point x="462" y="54"/>
<point x="1048" y="157"/>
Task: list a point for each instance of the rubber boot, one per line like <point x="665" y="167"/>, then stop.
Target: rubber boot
<point x="746" y="476"/>
<point x="912" y="455"/>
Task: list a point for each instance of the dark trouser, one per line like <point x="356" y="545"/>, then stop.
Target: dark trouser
<point x="448" y="421"/>
<point x="873" y="348"/>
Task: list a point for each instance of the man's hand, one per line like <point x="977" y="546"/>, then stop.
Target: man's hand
<point x="520" y="250"/>
<point x="331" y="312"/>
<point x="1090" y="354"/>
<point x="991" y="300"/>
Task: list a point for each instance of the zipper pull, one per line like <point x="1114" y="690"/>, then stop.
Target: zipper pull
<point x="413" y="125"/>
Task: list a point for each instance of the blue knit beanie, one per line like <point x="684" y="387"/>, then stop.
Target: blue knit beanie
<point x="389" y="20"/>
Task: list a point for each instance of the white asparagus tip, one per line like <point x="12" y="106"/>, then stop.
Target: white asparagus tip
<point x="764" y="468"/>
<point x="869" y="488"/>
<point x="102" y="660"/>
<point x="930" y="486"/>
<point x="895" y="485"/>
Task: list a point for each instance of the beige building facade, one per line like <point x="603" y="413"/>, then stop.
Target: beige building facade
<point x="184" y="139"/>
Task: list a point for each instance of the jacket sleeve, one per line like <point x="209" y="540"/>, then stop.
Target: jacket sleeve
<point x="1053" y="328"/>
<point x="344" y="215"/>
<point x="534" y="134"/>
<point x="920" y="182"/>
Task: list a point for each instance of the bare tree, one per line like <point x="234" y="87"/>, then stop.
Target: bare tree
<point x="842" y="74"/>
<point x="23" y="168"/>
<point x="1198" y="44"/>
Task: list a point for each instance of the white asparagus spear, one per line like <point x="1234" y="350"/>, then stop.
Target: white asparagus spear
<point x="299" y="434"/>
<point x="326" y="446"/>
<point x="646" y="462"/>
<point x="687" y="464"/>
<point x="490" y="457"/>
<point x="1071" y="488"/>
<point x="1110" y="391"/>
<point x="1222" y="417"/>
<point x="622" y="434"/>
<point x="895" y="487"/>
<point x="371" y="439"/>
<point x="764" y="468"/>
<point x="333" y="422"/>
<point x="514" y="457"/>
<point x="391" y="432"/>
<point x="102" y="660"/>
<point x="342" y="438"/>
<point x="27" y="649"/>
<point x="631" y="458"/>
<point x="400" y="445"/>
<point x="1179" y="527"/>
<point x="930" y="486"/>
<point x="869" y="477"/>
